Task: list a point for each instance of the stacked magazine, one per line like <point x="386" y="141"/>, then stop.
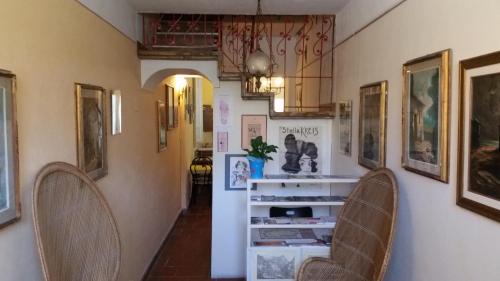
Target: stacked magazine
<point x="288" y="220"/>
<point x="292" y="237"/>
<point x="273" y="198"/>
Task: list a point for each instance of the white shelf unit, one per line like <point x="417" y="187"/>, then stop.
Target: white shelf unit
<point x="293" y="188"/>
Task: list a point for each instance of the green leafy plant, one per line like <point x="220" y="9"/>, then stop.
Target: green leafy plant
<point x="260" y="149"/>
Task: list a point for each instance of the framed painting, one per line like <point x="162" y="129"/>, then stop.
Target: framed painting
<point x="478" y="185"/>
<point x="345" y="127"/>
<point x="237" y="172"/>
<point x="10" y="207"/>
<point x="170" y="98"/>
<point x="91" y="130"/>
<point x="426" y="115"/>
<point x="252" y="126"/>
<point x="275" y="265"/>
<point x="302" y="150"/>
<point x="372" y="122"/>
<point x="161" y="110"/>
<point x="116" y="112"/>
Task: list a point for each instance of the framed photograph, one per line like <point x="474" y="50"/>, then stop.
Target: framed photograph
<point x="116" y="112"/>
<point x="479" y="136"/>
<point x="426" y="115"/>
<point x="10" y="206"/>
<point x="372" y="122"/>
<point x="302" y="150"/>
<point x="275" y="265"/>
<point x="252" y="126"/>
<point x="222" y="141"/>
<point x="91" y="130"/>
<point x="237" y="172"/>
<point x="170" y="98"/>
<point x="162" y="125"/>
<point x="345" y="127"/>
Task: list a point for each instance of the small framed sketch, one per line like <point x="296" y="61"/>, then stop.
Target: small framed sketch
<point x="91" y="130"/>
<point x="425" y="115"/>
<point x="10" y="208"/>
<point x="345" y="127"/>
<point x="479" y="136"/>
<point x="277" y="265"/>
<point x="252" y="126"/>
<point x="116" y="112"/>
<point x="372" y="122"/>
<point x="222" y="141"/>
<point x="170" y="98"/>
<point x="162" y="125"/>
<point x="237" y="172"/>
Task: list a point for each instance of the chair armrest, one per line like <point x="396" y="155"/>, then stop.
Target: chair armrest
<point x="319" y="269"/>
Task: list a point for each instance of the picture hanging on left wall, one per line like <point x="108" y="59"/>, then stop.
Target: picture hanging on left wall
<point x="116" y="112"/>
<point x="91" y="130"/>
<point x="10" y="209"/>
<point x="162" y="125"/>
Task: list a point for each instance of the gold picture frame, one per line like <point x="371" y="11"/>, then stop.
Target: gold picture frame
<point x="10" y="204"/>
<point x="425" y="139"/>
<point x="162" y="122"/>
<point x="91" y="130"/>
<point x="478" y="187"/>
<point x="372" y="125"/>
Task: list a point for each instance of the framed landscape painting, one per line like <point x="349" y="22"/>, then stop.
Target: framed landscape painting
<point x="91" y="130"/>
<point x="372" y="122"/>
<point x="10" y="208"/>
<point x="162" y="125"/>
<point x="479" y="136"/>
<point x="252" y="126"/>
<point x="426" y="115"/>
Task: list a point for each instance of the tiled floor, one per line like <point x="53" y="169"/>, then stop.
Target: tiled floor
<point x="186" y="254"/>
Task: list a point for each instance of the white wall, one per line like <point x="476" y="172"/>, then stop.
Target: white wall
<point x="358" y="13"/>
<point x="229" y="207"/>
<point x="435" y="240"/>
<point x="118" y="13"/>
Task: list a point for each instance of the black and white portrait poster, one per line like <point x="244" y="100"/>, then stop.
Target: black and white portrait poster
<point x="301" y="150"/>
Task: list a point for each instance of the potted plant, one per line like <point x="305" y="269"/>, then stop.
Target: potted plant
<point x="258" y="156"/>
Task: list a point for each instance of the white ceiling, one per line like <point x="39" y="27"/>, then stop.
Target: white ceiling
<point x="240" y="7"/>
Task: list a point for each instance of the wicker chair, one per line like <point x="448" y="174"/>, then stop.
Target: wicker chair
<point x="362" y="240"/>
<point x="76" y="233"/>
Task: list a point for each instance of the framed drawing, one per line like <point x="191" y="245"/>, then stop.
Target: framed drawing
<point x="252" y="126"/>
<point x="170" y="98"/>
<point x="222" y="141"/>
<point x="162" y="125"/>
<point x="277" y="265"/>
<point x="10" y="207"/>
<point x="237" y="172"/>
<point x="91" y="130"/>
<point x="116" y="112"/>
<point x="372" y="121"/>
<point x="479" y="136"/>
<point x="345" y="127"/>
<point x="426" y="115"/>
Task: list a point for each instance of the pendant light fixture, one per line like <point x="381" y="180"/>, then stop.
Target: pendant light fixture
<point x="258" y="62"/>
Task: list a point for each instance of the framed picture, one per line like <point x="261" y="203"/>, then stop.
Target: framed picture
<point x="91" y="130"/>
<point x="222" y="141"/>
<point x="479" y="136"/>
<point x="10" y="207"/>
<point x="372" y="121"/>
<point x="302" y="150"/>
<point x="345" y="127"/>
<point x="276" y="265"/>
<point x="116" y="112"/>
<point x="162" y="125"/>
<point x="252" y="126"/>
<point x="177" y="103"/>
<point x="426" y="115"/>
<point x="237" y="172"/>
<point x="170" y="98"/>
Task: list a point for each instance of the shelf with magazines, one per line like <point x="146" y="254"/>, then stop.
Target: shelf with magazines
<point x="291" y="218"/>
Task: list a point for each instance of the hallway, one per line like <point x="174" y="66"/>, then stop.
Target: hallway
<point x="186" y="254"/>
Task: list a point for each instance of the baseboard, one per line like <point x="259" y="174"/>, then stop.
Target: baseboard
<point x="157" y="254"/>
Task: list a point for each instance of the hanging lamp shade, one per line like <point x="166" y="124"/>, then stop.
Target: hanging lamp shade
<point x="258" y="63"/>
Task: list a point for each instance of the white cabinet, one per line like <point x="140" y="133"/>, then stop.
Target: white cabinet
<point x="276" y="246"/>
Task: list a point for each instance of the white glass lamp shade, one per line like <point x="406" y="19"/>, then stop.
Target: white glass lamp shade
<point x="258" y="63"/>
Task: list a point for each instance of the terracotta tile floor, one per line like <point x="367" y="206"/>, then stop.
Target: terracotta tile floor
<point x="186" y="254"/>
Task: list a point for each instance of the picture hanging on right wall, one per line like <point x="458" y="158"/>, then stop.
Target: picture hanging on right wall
<point x="372" y="122"/>
<point x="425" y="115"/>
<point x="478" y="185"/>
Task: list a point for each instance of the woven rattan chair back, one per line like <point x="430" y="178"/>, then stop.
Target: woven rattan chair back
<point x="75" y="230"/>
<point x="365" y="227"/>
